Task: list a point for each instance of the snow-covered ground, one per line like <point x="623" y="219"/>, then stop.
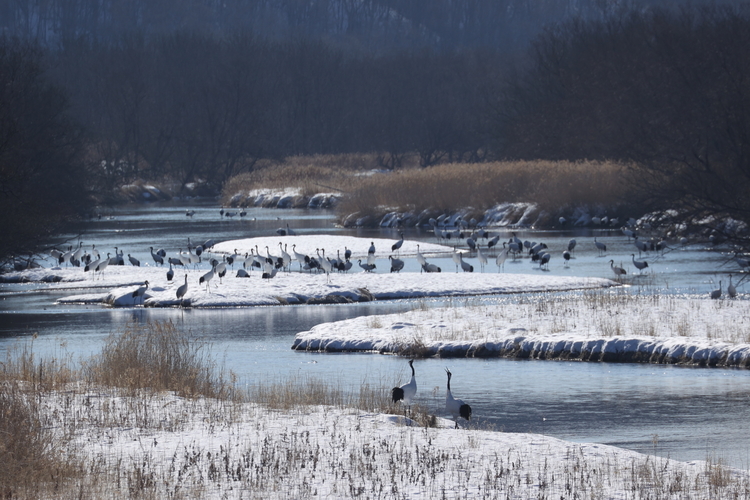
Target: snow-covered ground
<point x="596" y="326"/>
<point x="226" y="450"/>
<point x="160" y="446"/>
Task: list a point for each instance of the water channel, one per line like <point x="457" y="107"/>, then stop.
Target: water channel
<point x="683" y="413"/>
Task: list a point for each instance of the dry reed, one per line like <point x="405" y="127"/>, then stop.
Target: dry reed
<point x="158" y="357"/>
<point x="32" y="459"/>
<point x="308" y="174"/>
<point x="300" y="391"/>
<point x="554" y="186"/>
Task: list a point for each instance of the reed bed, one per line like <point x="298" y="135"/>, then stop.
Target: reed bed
<point x="307" y="174"/>
<point x="555" y="187"/>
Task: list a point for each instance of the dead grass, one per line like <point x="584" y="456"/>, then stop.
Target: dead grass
<point x="556" y="187"/>
<point x="156" y="356"/>
<point x="451" y="187"/>
<point x="309" y="174"/>
<point x="32" y="458"/>
<point x="38" y="374"/>
<point x="300" y="391"/>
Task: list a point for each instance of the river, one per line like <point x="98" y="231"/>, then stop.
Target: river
<point x="683" y="413"/>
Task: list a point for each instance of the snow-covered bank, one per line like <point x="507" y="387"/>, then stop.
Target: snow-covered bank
<point x="302" y="288"/>
<point x="620" y="328"/>
<point x="284" y="198"/>
<point x="511" y="215"/>
<point x="115" y="284"/>
<point x="211" y="449"/>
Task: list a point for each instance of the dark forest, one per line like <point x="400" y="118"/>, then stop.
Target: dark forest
<point x="203" y="90"/>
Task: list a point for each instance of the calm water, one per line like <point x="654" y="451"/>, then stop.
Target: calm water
<point x="685" y="413"/>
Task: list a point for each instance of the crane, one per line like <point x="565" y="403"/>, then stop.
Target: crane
<point x="456" y="407"/>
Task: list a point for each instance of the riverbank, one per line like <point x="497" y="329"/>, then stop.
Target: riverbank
<point x="154" y="416"/>
<point x="591" y="326"/>
<point x="527" y="194"/>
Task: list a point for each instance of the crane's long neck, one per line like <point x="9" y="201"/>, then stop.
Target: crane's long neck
<point x="449" y="396"/>
<point x="413" y="373"/>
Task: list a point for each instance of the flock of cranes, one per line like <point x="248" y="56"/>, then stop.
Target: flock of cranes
<point x="407" y="392"/>
<point x="477" y="244"/>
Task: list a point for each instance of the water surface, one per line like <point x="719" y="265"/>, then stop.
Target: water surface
<point x="685" y="413"/>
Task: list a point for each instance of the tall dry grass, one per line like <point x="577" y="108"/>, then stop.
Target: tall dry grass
<point x="22" y="365"/>
<point x="158" y="357"/>
<point x="554" y="186"/>
<point x="32" y="458"/>
<point x="299" y="391"/>
<point x="309" y="174"/>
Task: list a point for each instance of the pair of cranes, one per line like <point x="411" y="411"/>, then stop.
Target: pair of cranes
<point x="731" y="290"/>
<point x="406" y="393"/>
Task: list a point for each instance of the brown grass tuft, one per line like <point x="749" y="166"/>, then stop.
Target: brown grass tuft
<point x="22" y="365"/>
<point x="31" y="459"/>
<point x="156" y="356"/>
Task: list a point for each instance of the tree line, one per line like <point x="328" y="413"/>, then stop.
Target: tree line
<point x="664" y="89"/>
<point x="668" y="92"/>
<point x="192" y="107"/>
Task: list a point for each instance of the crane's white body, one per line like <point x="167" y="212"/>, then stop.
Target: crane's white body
<point x="456" y="407"/>
<point x="406" y="392"/>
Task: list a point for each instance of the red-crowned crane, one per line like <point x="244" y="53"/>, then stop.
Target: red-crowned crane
<point x="566" y="257"/>
<point x="455" y="407"/>
<point x="731" y="289"/>
<point x="206" y="278"/>
<point x="367" y="267"/>
<point x="182" y="289"/>
<point x="600" y="246"/>
<point x="482" y="258"/>
<point x="397" y="246"/>
<point x="396" y="264"/>
<point x="406" y="392"/>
